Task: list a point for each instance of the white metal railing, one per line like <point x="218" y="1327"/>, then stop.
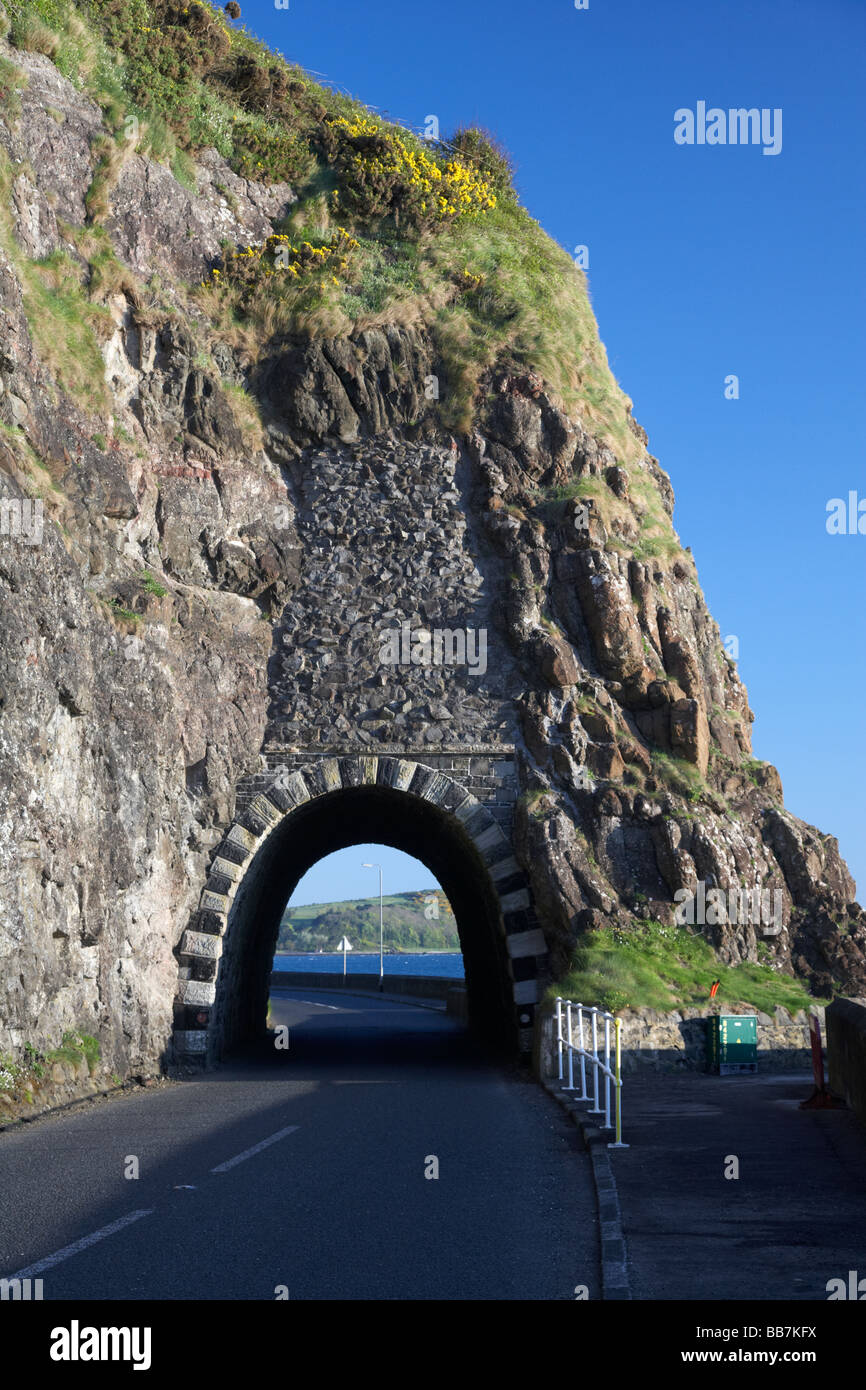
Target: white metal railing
<point x="565" y="1034"/>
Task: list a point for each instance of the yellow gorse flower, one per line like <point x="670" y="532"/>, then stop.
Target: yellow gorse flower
<point x="245" y="267"/>
<point x="461" y="189"/>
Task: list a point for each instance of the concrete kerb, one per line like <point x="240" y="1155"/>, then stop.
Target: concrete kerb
<point x="614" y="1258"/>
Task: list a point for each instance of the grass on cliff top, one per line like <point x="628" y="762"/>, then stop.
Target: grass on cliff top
<point x="490" y="286"/>
<point x="667" y="968"/>
<point x="531" y="308"/>
<point x="613" y="513"/>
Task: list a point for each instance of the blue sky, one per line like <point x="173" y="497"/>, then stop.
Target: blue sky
<point x="704" y="261"/>
<point x="340" y="875"/>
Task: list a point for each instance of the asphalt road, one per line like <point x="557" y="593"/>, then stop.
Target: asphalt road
<point x="305" y="1169"/>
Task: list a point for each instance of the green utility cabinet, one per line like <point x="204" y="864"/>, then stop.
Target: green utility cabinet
<point x="732" y="1043"/>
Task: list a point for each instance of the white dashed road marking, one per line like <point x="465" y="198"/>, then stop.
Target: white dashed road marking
<point x="78" y="1245"/>
<point x="256" y="1149"/>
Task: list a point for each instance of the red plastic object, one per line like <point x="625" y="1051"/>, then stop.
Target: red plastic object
<point x="821" y="1098"/>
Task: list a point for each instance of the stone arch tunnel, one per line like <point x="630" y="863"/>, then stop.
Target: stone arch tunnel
<point x="297" y="818"/>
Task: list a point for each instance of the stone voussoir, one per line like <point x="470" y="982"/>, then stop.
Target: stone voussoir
<point x="227" y="868"/>
<point x="288" y="790"/>
<point x="214" y="902"/>
<point x="351" y="772"/>
<point x="330" y="769"/>
<point x="529" y="943"/>
<point x="196" y="992"/>
<point x="504" y="868"/>
<point x="239" y="835"/>
<point x="488" y="838"/>
<point x="201" y="944"/>
<point x="369" y="771"/>
<point x="525" y="991"/>
<point x="265" y="808"/>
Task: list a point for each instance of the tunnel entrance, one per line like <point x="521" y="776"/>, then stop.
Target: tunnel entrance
<point x="362" y="815"/>
<point x="226" y="955"/>
<point x="403" y="929"/>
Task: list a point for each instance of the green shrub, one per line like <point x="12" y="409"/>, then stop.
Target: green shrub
<point x="485" y="153"/>
<point x="247" y="413"/>
<point x="270" y="288"/>
<point x="119" y="611"/>
<point x="539" y="803"/>
<point x="30" y="33"/>
<point x="34" y="1060"/>
<point x="387" y="276"/>
<point x="66" y="327"/>
<point x="657" y="538"/>
<point x="73" y="1047"/>
<point x="752" y="767"/>
<point x="389" y="173"/>
<point x="266" y="153"/>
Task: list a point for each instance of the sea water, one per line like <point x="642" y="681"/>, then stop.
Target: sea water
<point x="446" y="964"/>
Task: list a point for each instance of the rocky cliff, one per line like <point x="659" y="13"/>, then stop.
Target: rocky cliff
<point x="218" y="502"/>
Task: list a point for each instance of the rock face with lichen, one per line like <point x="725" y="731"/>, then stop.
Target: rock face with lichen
<point x="228" y="538"/>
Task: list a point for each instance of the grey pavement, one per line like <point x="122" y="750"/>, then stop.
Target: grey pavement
<point x="794" y="1218"/>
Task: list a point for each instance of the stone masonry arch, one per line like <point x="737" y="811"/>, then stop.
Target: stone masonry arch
<point x="302" y="815"/>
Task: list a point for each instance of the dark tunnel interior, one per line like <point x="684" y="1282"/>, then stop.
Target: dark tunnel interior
<point x="362" y="815"/>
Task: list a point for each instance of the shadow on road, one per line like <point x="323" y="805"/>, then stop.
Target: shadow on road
<point x="335" y="1031"/>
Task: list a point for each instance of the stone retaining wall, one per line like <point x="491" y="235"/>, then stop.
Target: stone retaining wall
<point x="846" y="1052"/>
<point x="677" y="1041"/>
<point x="60" y="1083"/>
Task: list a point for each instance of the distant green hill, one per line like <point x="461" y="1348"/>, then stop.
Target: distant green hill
<point x="412" y="922"/>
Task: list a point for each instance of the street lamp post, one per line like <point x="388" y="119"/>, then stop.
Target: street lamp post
<point x="381" y="936"/>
